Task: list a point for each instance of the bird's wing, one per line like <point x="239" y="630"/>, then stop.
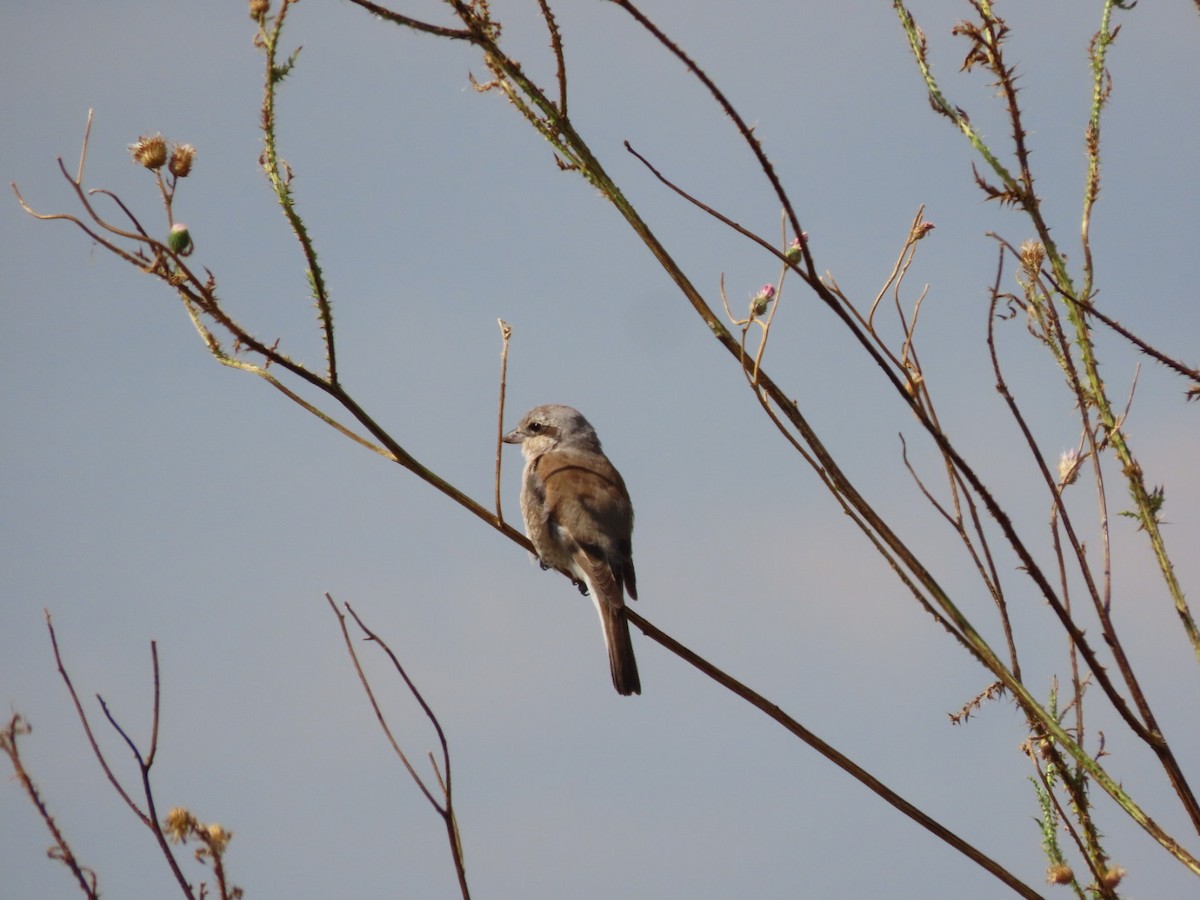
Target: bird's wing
<point x="587" y="504"/>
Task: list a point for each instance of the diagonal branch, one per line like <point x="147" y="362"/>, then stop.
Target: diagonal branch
<point x="826" y="750"/>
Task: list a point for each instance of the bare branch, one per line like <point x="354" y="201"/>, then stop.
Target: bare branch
<point x="445" y="808"/>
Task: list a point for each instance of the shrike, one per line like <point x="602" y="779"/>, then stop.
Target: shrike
<point x="580" y="520"/>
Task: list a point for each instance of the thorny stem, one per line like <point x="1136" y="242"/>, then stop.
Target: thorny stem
<point x="1075" y="302"/>
<point x="279" y="174"/>
<point x="1095" y="395"/>
<point x="1092" y="392"/>
<point x="1079" y="303"/>
<point x="1051" y="795"/>
<point x="1155" y="354"/>
<point x="1149" y="732"/>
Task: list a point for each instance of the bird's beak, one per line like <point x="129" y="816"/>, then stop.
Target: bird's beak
<point x="513" y="437"/>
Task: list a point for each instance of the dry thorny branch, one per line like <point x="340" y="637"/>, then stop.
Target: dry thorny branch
<point x="1059" y="309"/>
<point x="61" y="849"/>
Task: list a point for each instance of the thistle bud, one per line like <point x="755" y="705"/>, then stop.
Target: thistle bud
<point x="182" y="157"/>
<point x="179" y="240"/>
<point x="795" y="250"/>
<point x="150" y="151"/>
<point x="760" y="301"/>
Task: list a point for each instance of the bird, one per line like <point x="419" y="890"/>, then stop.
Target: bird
<point x="579" y="518"/>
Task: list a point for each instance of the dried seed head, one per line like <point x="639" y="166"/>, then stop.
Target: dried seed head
<point x="182" y="157"/>
<point x="218" y="837"/>
<point x="1060" y="874"/>
<point x="1068" y="467"/>
<point x="179" y="824"/>
<point x="259" y="9"/>
<point x="1033" y="254"/>
<point x="1110" y="878"/>
<point x="150" y="151"/>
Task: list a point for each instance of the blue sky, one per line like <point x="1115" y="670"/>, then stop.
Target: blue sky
<point x="151" y="494"/>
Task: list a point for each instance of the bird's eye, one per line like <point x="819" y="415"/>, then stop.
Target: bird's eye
<point x="535" y="427"/>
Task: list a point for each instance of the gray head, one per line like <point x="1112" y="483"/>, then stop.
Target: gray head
<point x="553" y="425"/>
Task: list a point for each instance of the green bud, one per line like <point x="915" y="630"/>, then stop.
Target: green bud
<point x="179" y="240"/>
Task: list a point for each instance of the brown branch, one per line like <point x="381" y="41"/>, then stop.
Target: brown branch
<point x="743" y="128"/>
<point x="984" y="565"/>
<point x="843" y="762"/>
<point x="1175" y="365"/>
<point x="444" y="810"/>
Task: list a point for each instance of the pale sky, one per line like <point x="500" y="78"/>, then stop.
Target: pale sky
<point x="152" y="494"/>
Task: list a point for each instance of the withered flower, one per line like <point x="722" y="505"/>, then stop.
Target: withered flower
<point x="150" y="151"/>
<point x="182" y="157"/>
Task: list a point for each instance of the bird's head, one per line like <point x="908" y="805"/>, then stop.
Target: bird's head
<point x="553" y="425"/>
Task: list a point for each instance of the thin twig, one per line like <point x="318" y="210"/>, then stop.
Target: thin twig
<point x="444" y="809"/>
<point x="560" y="63"/>
<point x="505" y="334"/>
<point x="366" y="684"/>
<point x="87" y="134"/>
<point x="87" y="728"/>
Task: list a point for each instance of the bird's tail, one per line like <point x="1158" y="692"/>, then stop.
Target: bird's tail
<point x="620" y="649"/>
